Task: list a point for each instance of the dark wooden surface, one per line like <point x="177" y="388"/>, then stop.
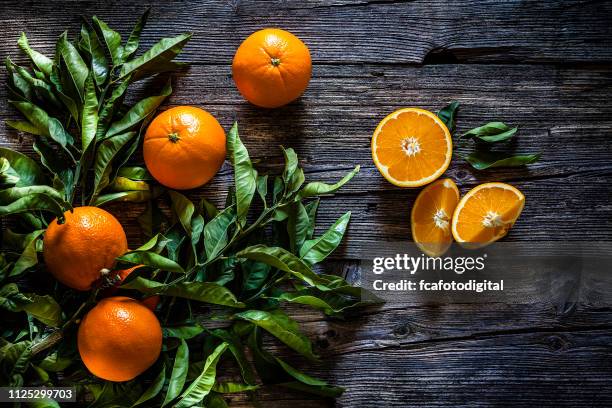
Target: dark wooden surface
<point x="546" y="66"/>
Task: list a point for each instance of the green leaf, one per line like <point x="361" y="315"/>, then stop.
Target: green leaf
<point x="151" y="259"/>
<point x="25" y="126"/>
<point x="125" y="184"/>
<point x="216" y="231"/>
<point x="8" y="176"/>
<point x="481" y="160"/>
<point x="137" y="196"/>
<point x="133" y="40"/>
<point x="232" y="387"/>
<point x="183" y="208"/>
<point x="29" y="172"/>
<point x="47" y="125"/>
<point x="42" y="308"/>
<point x="245" y="177"/>
<point x="285" y="261"/>
<point x="154" y="389"/>
<point x="111" y="39"/>
<point x="281" y="326"/>
<point x="38" y="86"/>
<point x="207" y="292"/>
<point x="315" y="250"/>
<point x="291" y="163"/>
<point x="262" y="188"/>
<point x="179" y="373"/>
<point x="448" y="115"/>
<point x="29" y="256"/>
<point x="109" y="107"/>
<point x="202" y="385"/>
<point x="42" y="62"/>
<point x="139" y="112"/>
<point x="237" y="350"/>
<point x="77" y="69"/>
<point x="33" y="202"/>
<point x="135" y="173"/>
<point x="215" y="400"/>
<point x="317" y="188"/>
<point x="43" y="403"/>
<point x="183" y="332"/>
<point x="328" y="391"/>
<point x="297" y="226"/>
<point x="158" y="56"/>
<point x="333" y="301"/>
<point x="89" y="115"/>
<point x="90" y="42"/>
<point x="491" y="132"/>
<point x="311" y="210"/>
<point x="106" y="152"/>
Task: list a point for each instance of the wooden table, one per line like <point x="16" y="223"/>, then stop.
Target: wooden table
<point x="546" y="66"/>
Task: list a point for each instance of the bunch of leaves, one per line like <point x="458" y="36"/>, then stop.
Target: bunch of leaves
<point x="243" y="262"/>
<point x="484" y="139"/>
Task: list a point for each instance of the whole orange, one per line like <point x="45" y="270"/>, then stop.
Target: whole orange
<point x="271" y="68"/>
<point x="184" y="147"/>
<point x="119" y="339"/>
<point x="77" y="251"/>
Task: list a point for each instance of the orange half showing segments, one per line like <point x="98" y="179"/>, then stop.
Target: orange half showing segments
<point x="431" y="217"/>
<point x="412" y="147"/>
<point x="486" y="213"/>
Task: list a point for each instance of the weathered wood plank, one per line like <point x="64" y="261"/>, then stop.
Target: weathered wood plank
<point x="351" y="31"/>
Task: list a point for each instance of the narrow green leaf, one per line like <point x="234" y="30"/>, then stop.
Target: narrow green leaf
<point x="334" y="301"/>
<point x="8" y="176"/>
<point x="216" y="232"/>
<point x="29" y="172"/>
<point x="25" y="126"/>
<point x="154" y="389"/>
<point x="206" y="292"/>
<point x="183" y="208"/>
<point x="245" y="177"/>
<point x="481" y="160"/>
<point x="109" y="108"/>
<point x="491" y="132"/>
<point x="106" y="152"/>
<point x="448" y="115"/>
<point x="262" y="188"/>
<point x="139" y="112"/>
<point x="133" y="40"/>
<point x="285" y="261"/>
<point x="29" y="256"/>
<point x="183" y="332"/>
<point x="90" y="42"/>
<point x="47" y="125"/>
<point x="77" y="69"/>
<point x="297" y="226"/>
<point x="281" y="326"/>
<point x="162" y="52"/>
<point x="151" y="259"/>
<point x="315" y="250"/>
<point x="232" y="387"/>
<point x="237" y="350"/>
<point x="328" y="391"/>
<point x="89" y="116"/>
<point x="311" y="210"/>
<point x="125" y="184"/>
<point x="42" y="62"/>
<point x="179" y="373"/>
<point x="291" y="163"/>
<point x="33" y="202"/>
<point x="317" y="188"/>
<point x="111" y="39"/>
<point x="137" y="196"/>
<point x="135" y="173"/>
<point x="202" y="385"/>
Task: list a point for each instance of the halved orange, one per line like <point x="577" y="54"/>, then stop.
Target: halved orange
<point x="431" y="215"/>
<point x="412" y="147"/>
<point x="486" y="213"/>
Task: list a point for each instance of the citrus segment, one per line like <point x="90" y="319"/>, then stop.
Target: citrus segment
<point x="431" y="217"/>
<point x="486" y="213"/>
<point x="119" y="339"/>
<point x="411" y="147"/>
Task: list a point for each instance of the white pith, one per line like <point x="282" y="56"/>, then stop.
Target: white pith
<point x="411" y="146"/>
<point x="441" y="219"/>
<point x="492" y="220"/>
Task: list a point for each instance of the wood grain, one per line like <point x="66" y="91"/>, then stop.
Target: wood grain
<point x="545" y="66"/>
